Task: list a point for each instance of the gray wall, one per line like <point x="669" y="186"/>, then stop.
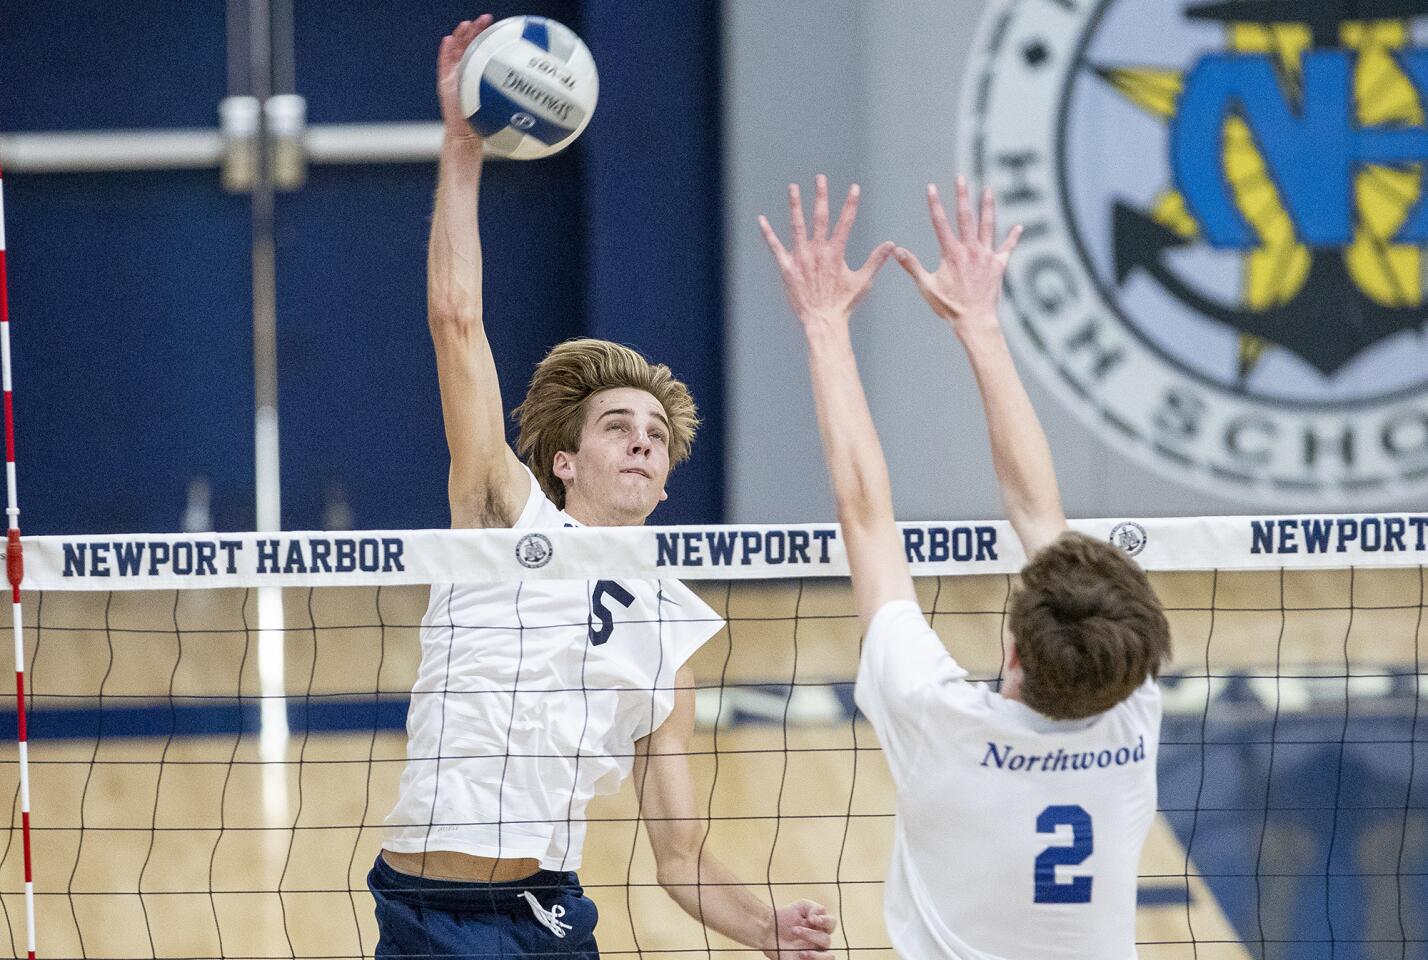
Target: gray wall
<point x="877" y="102"/>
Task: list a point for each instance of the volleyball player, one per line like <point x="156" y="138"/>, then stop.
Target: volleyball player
<point x="533" y="697"/>
<point x="1021" y="813"/>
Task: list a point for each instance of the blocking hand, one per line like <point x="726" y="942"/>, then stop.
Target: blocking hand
<point x="821" y="287"/>
<point x="968" y="281"/>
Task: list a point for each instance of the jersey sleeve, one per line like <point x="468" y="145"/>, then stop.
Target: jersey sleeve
<point x="539" y="510"/>
<point x="1145" y="706"/>
<point x="904" y="669"/>
<point x="689" y="620"/>
<point x="686" y="624"/>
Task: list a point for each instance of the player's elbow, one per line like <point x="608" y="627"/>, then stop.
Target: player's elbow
<point x="865" y="496"/>
<point x="1033" y="503"/>
<point x="677" y="859"/>
<point x="453" y="318"/>
<point x="1037" y="525"/>
<point x="867" y="506"/>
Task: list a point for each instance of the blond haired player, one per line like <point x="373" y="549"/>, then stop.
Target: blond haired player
<point x="533" y="697"/>
<point x="1020" y="813"/>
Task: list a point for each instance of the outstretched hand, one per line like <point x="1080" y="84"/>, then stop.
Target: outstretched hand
<point x="967" y="283"/>
<point x="448" y="90"/>
<point x="804" y="931"/>
<point x="821" y="287"/>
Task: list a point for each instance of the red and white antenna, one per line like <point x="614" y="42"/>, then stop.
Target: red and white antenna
<point x="15" y="569"/>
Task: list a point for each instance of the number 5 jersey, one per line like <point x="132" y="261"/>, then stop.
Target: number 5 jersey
<point x="528" y="701"/>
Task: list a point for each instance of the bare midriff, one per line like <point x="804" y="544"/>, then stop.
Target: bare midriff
<point x="450" y="865"/>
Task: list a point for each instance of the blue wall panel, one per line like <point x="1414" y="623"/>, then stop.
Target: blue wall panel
<point x="129" y="302"/>
<point x="655" y="214"/>
<point x="358" y="392"/>
<point x="85" y="64"/>
<point x="376" y="62"/>
<point x="131" y="291"/>
<point x="359" y="402"/>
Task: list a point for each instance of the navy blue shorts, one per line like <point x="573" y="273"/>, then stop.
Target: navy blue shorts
<point x="544" y="915"/>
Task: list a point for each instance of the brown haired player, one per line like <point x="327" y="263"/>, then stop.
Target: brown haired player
<point x="1020" y="814"/>
<point x="533" y="697"/>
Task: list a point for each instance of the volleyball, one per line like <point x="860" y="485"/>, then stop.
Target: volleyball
<point x="528" y="85"/>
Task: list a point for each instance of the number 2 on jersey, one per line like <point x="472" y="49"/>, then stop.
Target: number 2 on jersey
<point x="600" y="632"/>
<point x="1078" y="889"/>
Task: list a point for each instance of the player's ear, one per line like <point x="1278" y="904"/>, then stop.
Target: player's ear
<point x="663" y="494"/>
<point x="564" y="466"/>
<point x="1013" y="655"/>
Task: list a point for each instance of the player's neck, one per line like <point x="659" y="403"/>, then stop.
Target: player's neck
<point x="592" y="515"/>
<point x="1011" y="686"/>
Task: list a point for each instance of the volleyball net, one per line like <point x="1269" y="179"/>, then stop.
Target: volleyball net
<point x="218" y="729"/>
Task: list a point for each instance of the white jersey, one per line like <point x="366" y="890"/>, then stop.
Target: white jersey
<point x="528" y="701"/>
<point x="1016" y="835"/>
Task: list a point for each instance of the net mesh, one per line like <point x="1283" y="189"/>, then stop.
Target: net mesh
<point x="1293" y="773"/>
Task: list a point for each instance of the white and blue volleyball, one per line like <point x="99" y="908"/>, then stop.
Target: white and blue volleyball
<point x="528" y="86"/>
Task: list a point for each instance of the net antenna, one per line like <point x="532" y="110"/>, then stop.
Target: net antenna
<point x="15" y="570"/>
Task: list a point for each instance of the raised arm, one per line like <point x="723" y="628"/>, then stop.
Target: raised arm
<point x="823" y="292"/>
<point x="487" y="484"/>
<point x="964" y="290"/>
<point x="689" y="873"/>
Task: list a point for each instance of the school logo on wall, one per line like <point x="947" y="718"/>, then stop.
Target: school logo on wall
<point x="1224" y="264"/>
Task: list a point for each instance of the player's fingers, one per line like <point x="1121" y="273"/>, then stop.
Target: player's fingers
<point x="448" y="55"/>
<point x="987" y="223"/>
<point x="467" y="30"/>
<point x="876" y="259"/>
<point x="945" y="238"/>
<point x="966" y="229"/>
<point x="820" y="207"/>
<point x="846" y="217"/>
<point x="795" y="214"/>
<point x="480" y="24"/>
<point x="909" y="262"/>
<point x="771" y="238"/>
<point x="813" y="938"/>
<point x="1009" y="244"/>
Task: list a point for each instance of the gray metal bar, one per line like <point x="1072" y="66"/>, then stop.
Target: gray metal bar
<point x="100" y="151"/>
<point x="265" y="294"/>
<point x="284" y="68"/>
<point x="106" y="150"/>
<point x="418" y="142"/>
